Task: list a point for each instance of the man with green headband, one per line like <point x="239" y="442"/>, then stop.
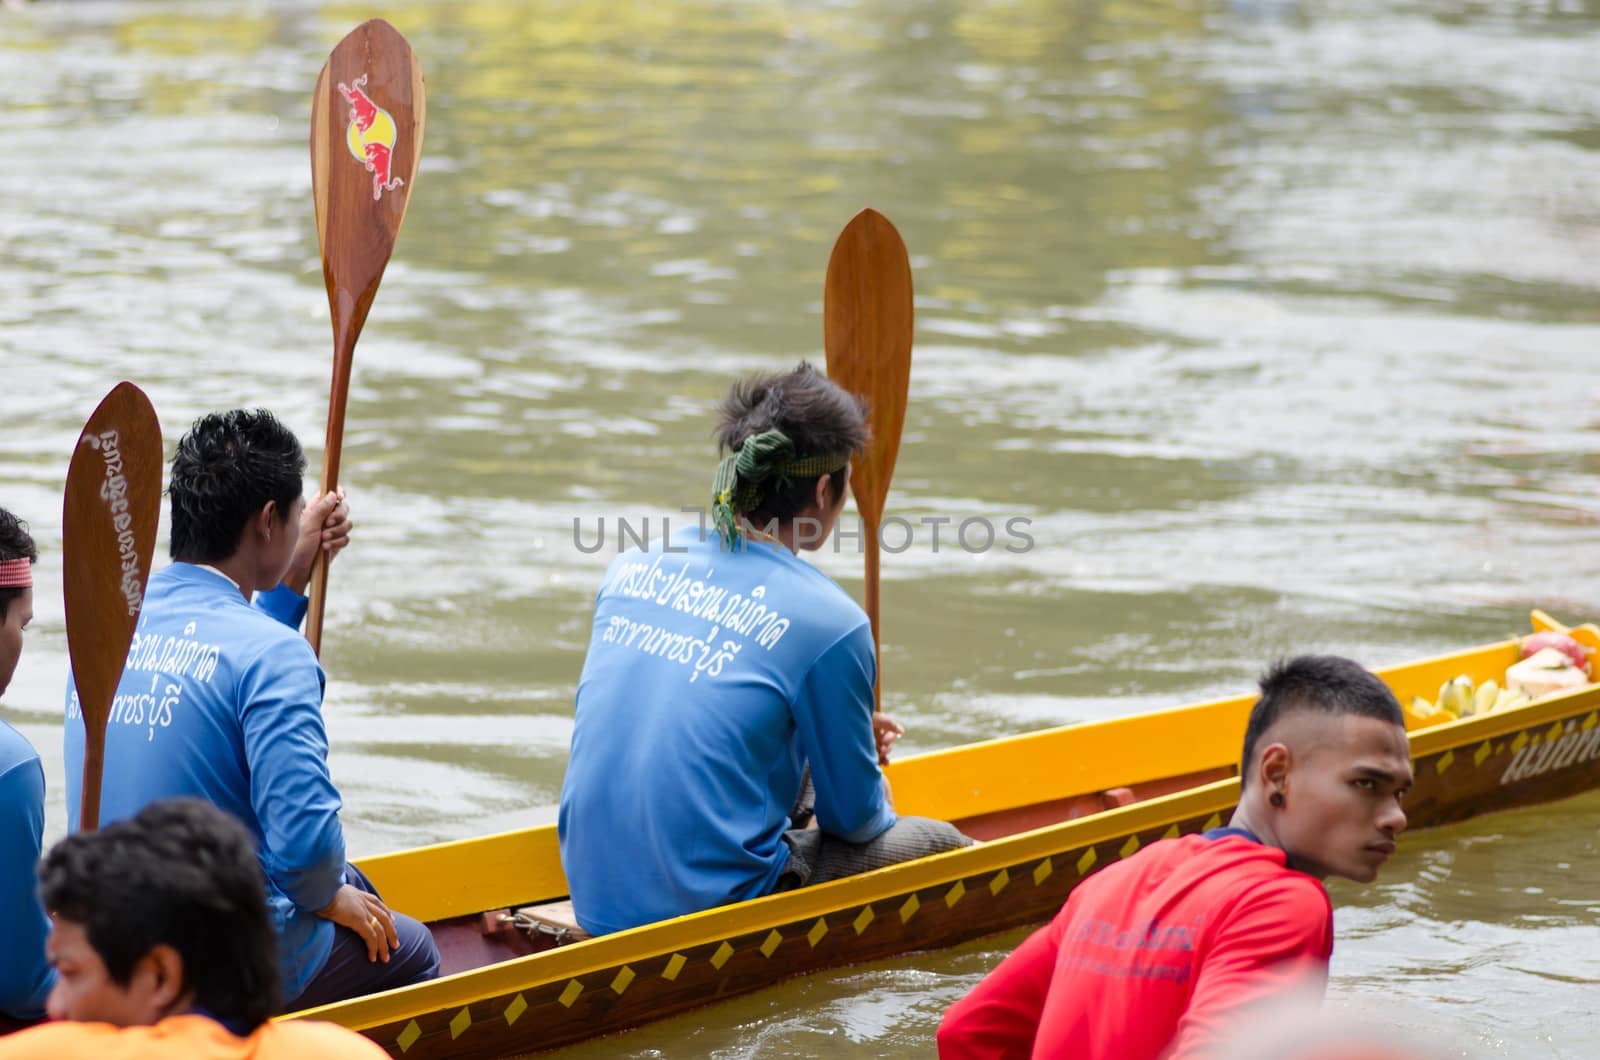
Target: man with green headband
<point x="718" y="672"/>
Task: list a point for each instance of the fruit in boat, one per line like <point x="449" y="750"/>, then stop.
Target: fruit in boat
<point x="1574" y="651"/>
<point x="1487" y="695"/>
<point x="1545" y="672"/>
<point x="1509" y="698"/>
<point x="1421" y="714"/>
<point x="1456" y="696"/>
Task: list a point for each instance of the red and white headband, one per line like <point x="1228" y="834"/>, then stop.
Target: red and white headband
<point x="16" y="573"/>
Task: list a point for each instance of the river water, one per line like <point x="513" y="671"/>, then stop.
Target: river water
<point x="1277" y="320"/>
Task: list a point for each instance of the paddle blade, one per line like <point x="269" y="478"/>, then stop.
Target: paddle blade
<point x="866" y="329"/>
<point x="112" y="507"/>
<point x="366" y="138"/>
<point x="367" y="117"/>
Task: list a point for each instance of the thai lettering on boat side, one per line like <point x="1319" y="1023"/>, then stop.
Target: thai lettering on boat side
<point x="114" y="491"/>
<point x="1572" y="746"/>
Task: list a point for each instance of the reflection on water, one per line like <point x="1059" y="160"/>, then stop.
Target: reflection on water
<point x="1276" y="320"/>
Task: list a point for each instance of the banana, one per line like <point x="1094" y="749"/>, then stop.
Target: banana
<point x="1485" y="698"/>
<point x="1510" y="699"/>
<point x="1420" y="714"/>
<point x="1455" y="695"/>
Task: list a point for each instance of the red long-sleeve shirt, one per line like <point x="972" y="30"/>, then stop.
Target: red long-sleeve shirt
<point x="1151" y="957"/>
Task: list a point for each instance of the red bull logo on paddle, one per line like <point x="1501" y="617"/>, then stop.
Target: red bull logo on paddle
<point x="371" y="136"/>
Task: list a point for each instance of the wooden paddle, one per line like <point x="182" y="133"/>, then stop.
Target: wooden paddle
<point x="366" y="137"/>
<point x="866" y="329"/>
<point x="109" y="519"/>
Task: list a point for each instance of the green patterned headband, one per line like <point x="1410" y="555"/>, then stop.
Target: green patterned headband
<point x="763" y="463"/>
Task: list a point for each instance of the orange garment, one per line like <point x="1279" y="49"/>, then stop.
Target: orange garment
<point x="187" y="1038"/>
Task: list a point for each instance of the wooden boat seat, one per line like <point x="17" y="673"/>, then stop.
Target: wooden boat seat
<point x="553" y="919"/>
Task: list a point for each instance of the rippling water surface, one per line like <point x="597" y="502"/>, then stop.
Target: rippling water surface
<point x="1278" y="320"/>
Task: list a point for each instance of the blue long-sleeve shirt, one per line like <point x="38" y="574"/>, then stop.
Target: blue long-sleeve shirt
<point x="25" y="975"/>
<point x="223" y="701"/>
<point x="712" y="678"/>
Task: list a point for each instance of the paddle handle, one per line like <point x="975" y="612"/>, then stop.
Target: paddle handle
<point x="338" y="397"/>
<point x="870" y="593"/>
<point x="94" y="767"/>
<point x="318" y="592"/>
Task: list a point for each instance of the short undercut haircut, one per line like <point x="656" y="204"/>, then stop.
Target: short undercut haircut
<point x="15" y="543"/>
<point x="184" y="874"/>
<point x="1322" y="684"/>
<point x="819" y="416"/>
<point x="226" y="469"/>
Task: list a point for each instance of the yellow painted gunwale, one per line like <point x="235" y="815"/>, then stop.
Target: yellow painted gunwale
<point x="512" y="868"/>
<point x="668" y="936"/>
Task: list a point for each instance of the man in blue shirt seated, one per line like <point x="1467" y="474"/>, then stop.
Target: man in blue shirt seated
<point x="223" y="701"/>
<point x="25" y="976"/>
<point x="717" y="672"/>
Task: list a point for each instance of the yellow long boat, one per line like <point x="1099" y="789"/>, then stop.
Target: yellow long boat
<point x="1053" y="807"/>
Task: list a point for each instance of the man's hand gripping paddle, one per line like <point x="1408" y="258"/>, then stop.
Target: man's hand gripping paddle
<point x="866" y="327"/>
<point x="109" y="519"/>
<point x="366" y="137"/>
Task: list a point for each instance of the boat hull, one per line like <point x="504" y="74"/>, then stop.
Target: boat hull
<point x="1536" y="754"/>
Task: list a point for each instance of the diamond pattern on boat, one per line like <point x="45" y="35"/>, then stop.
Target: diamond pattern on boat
<point x="909" y="907"/>
<point x="1048" y="890"/>
<point x="863" y="918"/>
